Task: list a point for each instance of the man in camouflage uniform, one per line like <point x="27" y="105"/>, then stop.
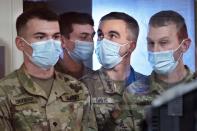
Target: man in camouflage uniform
<point x="35" y="97"/>
<point x="167" y="41"/>
<point x="117" y="37"/>
<point x="77" y="34"/>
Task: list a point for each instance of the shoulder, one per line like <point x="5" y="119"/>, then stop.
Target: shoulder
<point x="87" y="71"/>
<point x="140" y="92"/>
<point x="90" y="75"/>
<point x="9" y="85"/>
<point x="190" y="75"/>
<point x="140" y="85"/>
<point x="93" y="81"/>
<point x="9" y="81"/>
<point x="195" y="75"/>
<point x="71" y="82"/>
<point x="9" y="78"/>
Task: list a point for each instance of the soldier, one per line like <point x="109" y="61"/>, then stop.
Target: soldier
<point x="167" y="40"/>
<point x="77" y="34"/>
<point x="35" y="97"/>
<point x="117" y="37"/>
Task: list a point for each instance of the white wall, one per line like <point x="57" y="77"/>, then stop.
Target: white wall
<point x="9" y="10"/>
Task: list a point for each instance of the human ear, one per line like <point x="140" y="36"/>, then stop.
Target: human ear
<point x="132" y="46"/>
<point x="19" y="43"/>
<point x="186" y="45"/>
<point x="66" y="43"/>
<point x="63" y="41"/>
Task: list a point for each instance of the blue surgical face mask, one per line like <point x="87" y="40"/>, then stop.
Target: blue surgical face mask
<point x="82" y="52"/>
<point x="108" y="53"/>
<point x="163" y="62"/>
<point x="45" y="53"/>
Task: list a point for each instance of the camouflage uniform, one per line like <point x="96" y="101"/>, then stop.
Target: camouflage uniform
<point x="106" y="99"/>
<point x="59" y="68"/>
<point x="140" y="93"/>
<point x="24" y="105"/>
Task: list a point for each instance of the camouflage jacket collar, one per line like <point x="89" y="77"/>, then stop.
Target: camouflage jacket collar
<point x="34" y="89"/>
<point x="161" y="86"/>
<point x="110" y="86"/>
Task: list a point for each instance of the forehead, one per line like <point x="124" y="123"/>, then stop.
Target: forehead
<point x="115" y="25"/>
<point x="37" y="25"/>
<point x="155" y="33"/>
<point x="82" y="28"/>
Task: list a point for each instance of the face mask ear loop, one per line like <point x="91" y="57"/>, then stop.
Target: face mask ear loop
<point x="178" y="48"/>
<point x="25" y="41"/>
<point x="29" y="56"/>
<point x="127" y="51"/>
<point x="124" y="44"/>
<point x="180" y="57"/>
<point x="65" y="50"/>
<point x="179" y="45"/>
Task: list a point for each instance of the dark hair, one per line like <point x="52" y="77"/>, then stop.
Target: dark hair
<point x="164" y="18"/>
<point x="40" y="13"/>
<point x="68" y="18"/>
<point x="131" y="23"/>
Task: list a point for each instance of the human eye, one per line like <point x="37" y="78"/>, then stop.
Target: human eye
<point x="56" y="37"/>
<point x="163" y="42"/>
<point x="100" y="35"/>
<point x="85" y="37"/>
<point x="150" y="43"/>
<point x="112" y="36"/>
<point x="40" y="37"/>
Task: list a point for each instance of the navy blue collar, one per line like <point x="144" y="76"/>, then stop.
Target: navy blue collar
<point x="131" y="77"/>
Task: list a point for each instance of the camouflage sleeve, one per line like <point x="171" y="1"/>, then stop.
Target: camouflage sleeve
<point x="89" y="119"/>
<point x="136" y="105"/>
<point x="129" y="106"/>
<point x="5" y="119"/>
<point x="121" y="119"/>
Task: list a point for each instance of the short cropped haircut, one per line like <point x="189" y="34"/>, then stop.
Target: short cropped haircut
<point x="165" y="18"/>
<point x="40" y="13"/>
<point x="131" y="23"/>
<point x="67" y="19"/>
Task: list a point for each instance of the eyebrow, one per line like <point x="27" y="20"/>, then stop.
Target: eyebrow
<point x="110" y="32"/>
<point x="165" y="37"/>
<point x="114" y="32"/>
<point x="84" y="33"/>
<point x="58" y="33"/>
<point x="39" y="33"/>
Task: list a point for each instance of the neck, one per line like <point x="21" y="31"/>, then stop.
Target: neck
<point x="177" y="75"/>
<point x="119" y="72"/>
<point x="37" y="72"/>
